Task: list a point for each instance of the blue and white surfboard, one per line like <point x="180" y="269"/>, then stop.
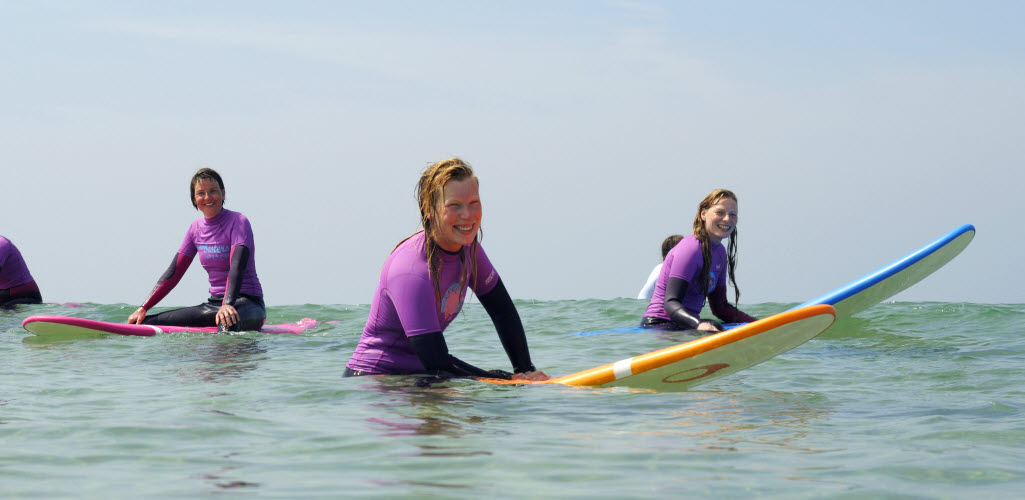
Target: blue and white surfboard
<point x="880" y="285"/>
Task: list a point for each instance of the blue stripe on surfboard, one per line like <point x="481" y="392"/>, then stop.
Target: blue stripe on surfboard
<point x="637" y="329"/>
<point x="833" y="298"/>
<point x="866" y="283"/>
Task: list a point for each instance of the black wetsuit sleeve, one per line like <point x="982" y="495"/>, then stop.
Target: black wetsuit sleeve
<point x="673" y="304"/>
<point x="239" y="261"/>
<point x="725" y="311"/>
<point x="179" y="264"/>
<point x="500" y="307"/>
<point x="432" y="351"/>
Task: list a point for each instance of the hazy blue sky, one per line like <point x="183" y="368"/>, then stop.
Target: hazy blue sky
<point x="852" y="132"/>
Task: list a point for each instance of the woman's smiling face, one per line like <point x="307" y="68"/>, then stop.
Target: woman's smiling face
<point x="720" y="219"/>
<point x="209" y="197"/>
<point x="459" y="214"/>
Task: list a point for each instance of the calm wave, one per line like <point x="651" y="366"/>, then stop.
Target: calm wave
<point x="919" y="400"/>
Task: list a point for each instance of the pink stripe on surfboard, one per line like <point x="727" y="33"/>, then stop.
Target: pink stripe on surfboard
<point x="150" y="330"/>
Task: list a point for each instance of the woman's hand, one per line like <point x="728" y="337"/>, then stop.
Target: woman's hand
<point x="137" y="317"/>
<point x="707" y="327"/>
<point x="536" y="376"/>
<point x="227" y="316"/>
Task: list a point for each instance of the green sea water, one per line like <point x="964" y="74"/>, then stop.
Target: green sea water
<point x="905" y="400"/>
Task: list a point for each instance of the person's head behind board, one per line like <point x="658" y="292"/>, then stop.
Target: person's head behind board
<point x="202" y="174"/>
<point x="669" y="243"/>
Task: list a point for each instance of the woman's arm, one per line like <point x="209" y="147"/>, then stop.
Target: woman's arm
<point x="676" y="288"/>
<point x="507" y="322"/>
<point x="500" y="307"/>
<point x="432" y="351"/>
<point x="165" y="284"/>
<point x="227" y="315"/>
<point x="725" y="311"/>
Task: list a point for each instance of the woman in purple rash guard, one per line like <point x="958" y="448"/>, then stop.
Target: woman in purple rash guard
<point x="423" y="283"/>
<point x="224" y="242"/>
<point x="695" y="268"/>
<point x="16" y="283"/>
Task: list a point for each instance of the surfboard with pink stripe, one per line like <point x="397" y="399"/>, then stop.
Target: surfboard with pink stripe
<point x="65" y="326"/>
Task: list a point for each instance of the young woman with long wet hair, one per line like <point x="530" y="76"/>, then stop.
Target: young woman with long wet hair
<point x="423" y="284"/>
<point x="696" y="268"/>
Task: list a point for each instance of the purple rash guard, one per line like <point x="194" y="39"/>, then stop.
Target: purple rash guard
<point x="684" y="262"/>
<point x="404" y="305"/>
<point x="213" y="239"/>
<point x="13" y="271"/>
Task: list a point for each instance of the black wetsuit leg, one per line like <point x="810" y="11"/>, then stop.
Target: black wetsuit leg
<point x="204" y="314"/>
<point x="251" y="313"/>
<point x="250" y="308"/>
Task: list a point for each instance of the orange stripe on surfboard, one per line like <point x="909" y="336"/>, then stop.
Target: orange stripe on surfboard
<point x="638" y="364"/>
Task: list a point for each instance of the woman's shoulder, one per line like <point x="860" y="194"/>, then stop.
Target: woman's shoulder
<point x="410" y="249"/>
<point x="407" y="259"/>
<point x="235" y="216"/>
<point x="687" y="245"/>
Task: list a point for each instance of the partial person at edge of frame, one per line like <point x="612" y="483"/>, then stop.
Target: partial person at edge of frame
<point x="16" y="283"/>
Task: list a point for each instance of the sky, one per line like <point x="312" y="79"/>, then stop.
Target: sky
<point x="852" y="132"/>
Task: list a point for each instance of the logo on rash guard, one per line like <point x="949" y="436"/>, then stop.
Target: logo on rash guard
<point x="451" y="302"/>
<point x="214" y="251"/>
<point x="711" y="281"/>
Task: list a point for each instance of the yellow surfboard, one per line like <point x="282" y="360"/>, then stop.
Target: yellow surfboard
<point x="683" y="366"/>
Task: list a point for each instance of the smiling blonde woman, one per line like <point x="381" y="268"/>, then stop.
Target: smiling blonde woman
<point x="423" y="284"/>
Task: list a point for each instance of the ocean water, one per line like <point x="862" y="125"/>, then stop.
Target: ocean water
<point x="905" y="400"/>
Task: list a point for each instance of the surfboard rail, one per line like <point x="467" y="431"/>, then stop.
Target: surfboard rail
<point x="877" y="286"/>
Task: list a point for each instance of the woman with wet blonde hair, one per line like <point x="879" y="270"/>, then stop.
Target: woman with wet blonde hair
<point x="423" y="284"/>
<point x="696" y="268"/>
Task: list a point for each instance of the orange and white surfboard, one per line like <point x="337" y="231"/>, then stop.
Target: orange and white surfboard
<point x="683" y="366"/>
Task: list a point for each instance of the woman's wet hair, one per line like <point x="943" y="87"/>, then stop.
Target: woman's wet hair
<point x="698" y="230"/>
<point x="430" y="194"/>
